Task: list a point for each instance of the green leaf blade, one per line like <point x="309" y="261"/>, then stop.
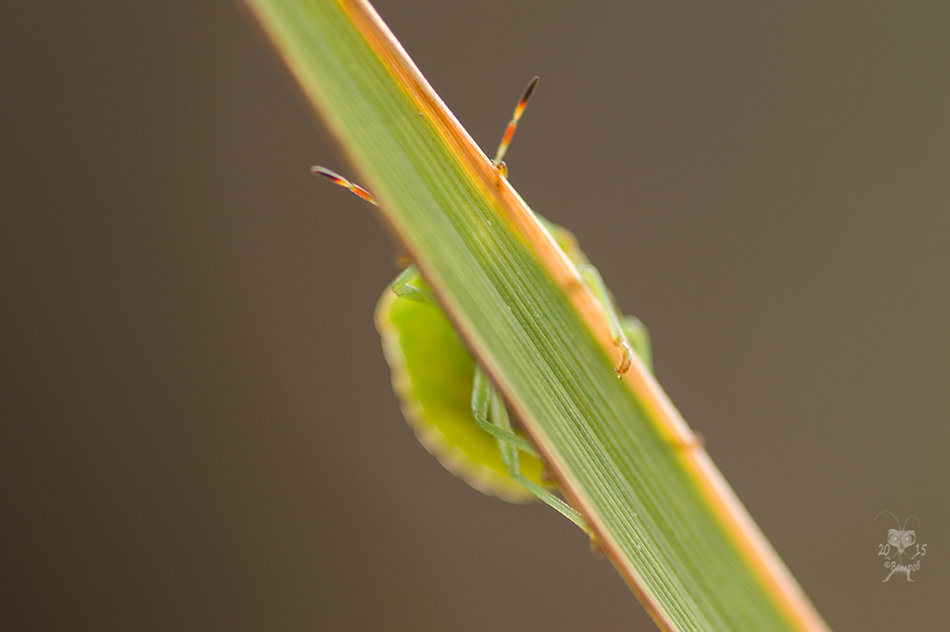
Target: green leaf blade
<point x="659" y="507"/>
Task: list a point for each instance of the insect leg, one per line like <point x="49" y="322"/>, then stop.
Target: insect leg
<point x="481" y="405"/>
<point x="498" y="160"/>
<point x="596" y="283"/>
<point x="409" y="284"/>
<point x="487" y="405"/>
<point x="639" y="339"/>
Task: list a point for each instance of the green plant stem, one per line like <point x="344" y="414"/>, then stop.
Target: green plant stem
<point x="659" y="508"/>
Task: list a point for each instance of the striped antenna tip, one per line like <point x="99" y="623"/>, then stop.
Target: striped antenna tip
<point x="332" y="175"/>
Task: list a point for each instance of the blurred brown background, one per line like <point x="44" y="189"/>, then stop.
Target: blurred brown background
<point x="198" y="430"/>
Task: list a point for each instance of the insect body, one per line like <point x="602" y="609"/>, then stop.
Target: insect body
<point x="447" y="398"/>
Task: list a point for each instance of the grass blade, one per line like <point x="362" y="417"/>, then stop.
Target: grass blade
<point x="659" y="508"/>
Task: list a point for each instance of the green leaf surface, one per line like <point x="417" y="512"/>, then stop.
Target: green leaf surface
<point x="659" y="508"/>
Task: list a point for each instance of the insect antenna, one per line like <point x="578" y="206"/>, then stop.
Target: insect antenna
<point x="336" y="178"/>
<point x="907" y="519"/>
<point x="498" y="160"/>
<point x="896" y="519"/>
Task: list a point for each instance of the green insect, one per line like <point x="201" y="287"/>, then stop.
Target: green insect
<point x="447" y="397"/>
